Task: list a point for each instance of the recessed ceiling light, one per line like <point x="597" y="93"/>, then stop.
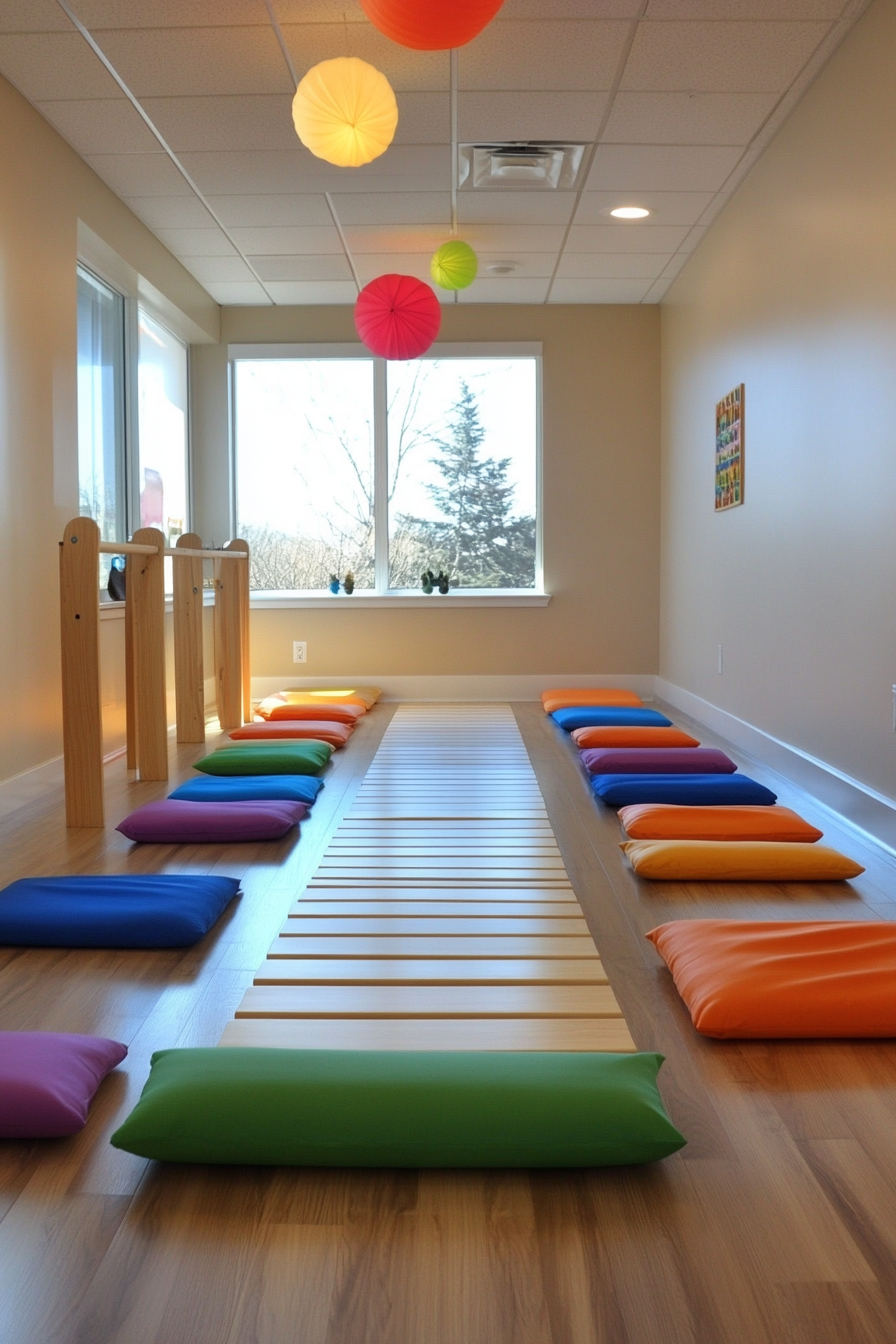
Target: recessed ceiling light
<point x="629" y="212"/>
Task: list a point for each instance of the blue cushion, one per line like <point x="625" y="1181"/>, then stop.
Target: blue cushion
<point x="157" y="910"/>
<point x="691" y="790"/>
<point x="609" y="716"/>
<point x="247" y="788"/>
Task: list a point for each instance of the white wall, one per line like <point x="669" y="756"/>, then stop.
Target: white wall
<point x="793" y="292"/>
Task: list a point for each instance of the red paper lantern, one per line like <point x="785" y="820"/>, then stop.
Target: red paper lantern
<point x="397" y="317"/>
<point x="427" y="25"/>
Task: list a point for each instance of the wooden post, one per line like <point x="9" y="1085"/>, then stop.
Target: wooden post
<point x="146" y="598"/>
<point x="130" y="697"/>
<point x="82" y="723"/>
<point x="229" y="640"/>
<point x="189" y="685"/>
<point x="242" y="576"/>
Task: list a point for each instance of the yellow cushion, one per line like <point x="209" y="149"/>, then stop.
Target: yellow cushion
<point x="738" y="861"/>
<point x="364" y="695"/>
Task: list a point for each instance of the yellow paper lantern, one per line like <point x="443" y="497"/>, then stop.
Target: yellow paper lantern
<point x="345" y="112"/>
<point x="454" y="265"/>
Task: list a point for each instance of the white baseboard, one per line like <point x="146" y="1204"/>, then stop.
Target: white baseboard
<point x="872" y="813"/>
<point x="19" y="790"/>
<point x="461" y="688"/>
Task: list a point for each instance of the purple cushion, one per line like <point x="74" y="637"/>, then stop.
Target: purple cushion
<point x="172" y="821"/>
<point x="657" y="761"/>
<point x="48" y="1080"/>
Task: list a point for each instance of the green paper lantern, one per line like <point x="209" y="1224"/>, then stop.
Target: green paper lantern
<point x="454" y="265"/>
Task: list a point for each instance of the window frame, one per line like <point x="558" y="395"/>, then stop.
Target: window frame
<point x="381" y="595"/>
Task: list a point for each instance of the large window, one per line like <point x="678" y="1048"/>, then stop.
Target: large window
<point x="387" y="470"/>
<point x="132" y="449"/>
<point x="102" y="476"/>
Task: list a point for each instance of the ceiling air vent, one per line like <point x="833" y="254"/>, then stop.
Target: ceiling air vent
<point x="528" y="165"/>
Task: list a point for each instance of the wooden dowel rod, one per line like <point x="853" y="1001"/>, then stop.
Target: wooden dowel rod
<point x="205" y="554"/>
<point x="126" y="548"/>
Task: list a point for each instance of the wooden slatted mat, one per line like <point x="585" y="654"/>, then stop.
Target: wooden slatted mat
<point x="441" y="916"/>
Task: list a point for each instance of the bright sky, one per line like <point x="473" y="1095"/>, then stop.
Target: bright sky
<point x="304" y="436"/>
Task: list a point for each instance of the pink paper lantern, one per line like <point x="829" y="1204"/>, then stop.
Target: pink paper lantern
<point x="397" y="317"/>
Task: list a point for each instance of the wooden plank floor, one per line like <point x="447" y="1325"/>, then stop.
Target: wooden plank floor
<point x="460" y="762"/>
<point x="775" y="1225"/>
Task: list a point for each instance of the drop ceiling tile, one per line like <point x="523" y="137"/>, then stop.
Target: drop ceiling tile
<point x="100" y="125"/>
<point x="54" y="65"/>
<point x="527" y="265"/>
<point x="719" y="57"/>
<point x="514" y="237"/>
<point x="424" y="118"/>
<point x="694" y="238"/>
<point x="170" y="13"/>
<point x="575" y="54"/>
<point x="598" y="291"/>
<point x="284" y="240"/>
<point x="269" y="172"/>
<point x="197" y="242"/>
<point x="669" y="207"/>
<point x="369" y="265"/>
<point x="266" y="210"/>
<point x="322" y="291"/>
<point x="170" y="212"/>
<point x="33" y="16"/>
<point x="661" y="167"/>
<point x="237" y="292"/>
<point x="309" y="43"/>
<point x="507" y="290"/>
<point x="619" y="238"/>
<point x="408" y="207"/>
<point x="744" y="9"/>
<point x="321" y="11"/>
<point x="302" y="268"/>
<point x="612" y="266"/>
<point x="228" y="122"/>
<point x="571" y="9"/>
<point x="139" y="174"/>
<point x="687" y="118"/>
<point x="415" y="238"/>
<point x="529" y="116"/>
<point x="515" y="207"/>
<point x="218" y="268"/>
<point x="175" y="62"/>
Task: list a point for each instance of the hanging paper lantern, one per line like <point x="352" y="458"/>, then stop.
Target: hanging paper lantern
<point x="454" y="265"/>
<point x="345" y="112"/>
<point x="397" y="317"/>
<point x="431" y="25"/>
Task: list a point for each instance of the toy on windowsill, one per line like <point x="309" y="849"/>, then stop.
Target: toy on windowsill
<point x="442" y="581"/>
<point x="348" y="583"/>
<point x="428" y="582"/>
<point x="334" y="584"/>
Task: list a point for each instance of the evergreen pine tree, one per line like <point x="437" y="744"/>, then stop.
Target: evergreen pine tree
<point x="479" y="542"/>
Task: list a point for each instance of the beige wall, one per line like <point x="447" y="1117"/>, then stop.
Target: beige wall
<point x="601" y="505"/>
<point x="793" y="293"/>
<point x="45" y="188"/>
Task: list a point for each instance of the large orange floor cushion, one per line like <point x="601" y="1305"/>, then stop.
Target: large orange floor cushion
<point x="744" y="979"/>
<point x="275" y="709"/>
<point x="566" y="698"/>
<point x="324" y="730"/>
<point x="738" y="861"/>
<point x="671" y="821"/>
<point x="636" y="735"/>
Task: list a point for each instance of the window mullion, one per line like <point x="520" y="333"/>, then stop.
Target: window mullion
<point x="380" y="477"/>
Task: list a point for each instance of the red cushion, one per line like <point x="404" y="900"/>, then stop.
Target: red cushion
<point x="337" y="734"/>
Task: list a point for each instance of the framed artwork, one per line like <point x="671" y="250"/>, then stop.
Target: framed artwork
<point x="730" y="450"/>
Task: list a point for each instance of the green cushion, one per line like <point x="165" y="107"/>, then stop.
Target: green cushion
<point x="358" y="1108"/>
<point x="304" y="756"/>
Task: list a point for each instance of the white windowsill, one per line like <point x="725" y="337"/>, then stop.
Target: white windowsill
<point x="491" y="597"/>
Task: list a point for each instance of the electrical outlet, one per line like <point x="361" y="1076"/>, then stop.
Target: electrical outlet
<point x="720" y="660"/>
<point x="299" y="651"/>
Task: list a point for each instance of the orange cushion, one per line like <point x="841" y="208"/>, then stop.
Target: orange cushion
<point x="591" y="695"/>
<point x="277" y="710"/>
<point x="356" y="695"/>
<point x="337" y="734"/>
<point x="737" y="861"/>
<point x="765" y="979"/>
<point x="637" y="735"/>
<point x="665" y="821"/>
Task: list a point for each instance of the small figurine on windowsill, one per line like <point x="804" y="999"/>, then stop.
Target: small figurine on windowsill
<point x="442" y="581"/>
<point x="428" y="582"/>
<point x="334" y="584"/>
<point x="348" y="583"/>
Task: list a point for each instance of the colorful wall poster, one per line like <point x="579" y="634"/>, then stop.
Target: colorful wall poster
<point x="730" y="450"/>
